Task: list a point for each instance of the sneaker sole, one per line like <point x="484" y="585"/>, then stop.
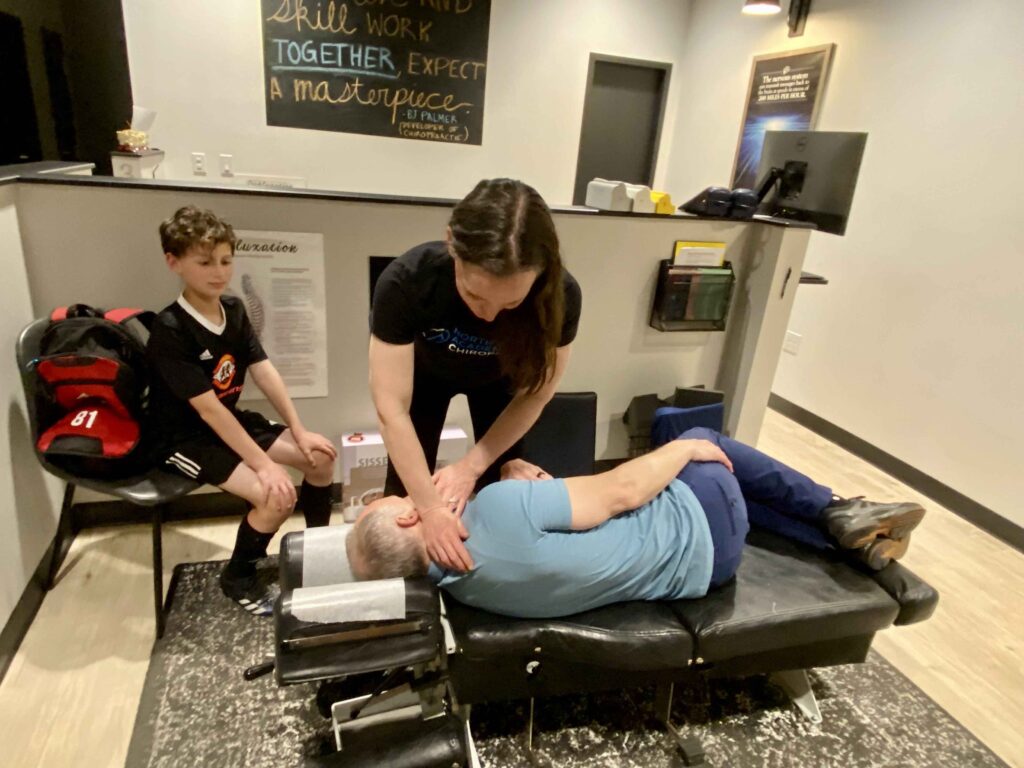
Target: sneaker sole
<point x="883" y="551"/>
<point x="896" y="526"/>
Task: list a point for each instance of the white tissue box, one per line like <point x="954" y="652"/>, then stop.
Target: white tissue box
<point x="365" y="450"/>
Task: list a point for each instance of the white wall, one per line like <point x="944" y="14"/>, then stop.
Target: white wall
<point x="29" y="498"/>
<point x="916" y="345"/>
<point x="200" y="65"/>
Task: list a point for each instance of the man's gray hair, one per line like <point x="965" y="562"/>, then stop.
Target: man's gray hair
<point x="378" y="549"/>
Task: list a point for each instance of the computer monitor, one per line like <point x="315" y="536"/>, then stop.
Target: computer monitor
<point x="810" y="176"/>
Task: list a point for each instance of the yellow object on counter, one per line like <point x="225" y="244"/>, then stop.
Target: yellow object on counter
<point x="663" y="203"/>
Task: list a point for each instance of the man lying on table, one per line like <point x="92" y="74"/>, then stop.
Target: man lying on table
<point x="670" y="524"/>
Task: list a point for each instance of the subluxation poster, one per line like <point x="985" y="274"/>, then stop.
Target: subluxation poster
<point x="279" y="276"/>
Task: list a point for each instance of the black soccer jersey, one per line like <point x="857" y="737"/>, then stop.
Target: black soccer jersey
<point x="415" y="301"/>
<point x="189" y="356"/>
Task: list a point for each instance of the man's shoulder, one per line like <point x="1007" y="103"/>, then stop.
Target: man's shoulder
<point x="511" y="503"/>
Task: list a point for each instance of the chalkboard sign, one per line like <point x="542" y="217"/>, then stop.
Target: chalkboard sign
<point x="411" y="69"/>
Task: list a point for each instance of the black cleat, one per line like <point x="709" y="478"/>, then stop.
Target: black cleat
<point x="855" y="523"/>
<point x="254" y="594"/>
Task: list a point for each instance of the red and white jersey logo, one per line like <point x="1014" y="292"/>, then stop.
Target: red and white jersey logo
<point x="224" y="373"/>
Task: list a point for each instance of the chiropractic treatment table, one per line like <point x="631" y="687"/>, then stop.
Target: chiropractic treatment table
<point x="400" y="663"/>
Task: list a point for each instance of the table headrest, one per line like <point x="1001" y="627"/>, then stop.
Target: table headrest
<point x="377" y="600"/>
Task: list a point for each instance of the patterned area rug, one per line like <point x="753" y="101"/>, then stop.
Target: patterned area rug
<point x="198" y="710"/>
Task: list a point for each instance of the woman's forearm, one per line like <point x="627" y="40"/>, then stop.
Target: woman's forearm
<point x="406" y="453"/>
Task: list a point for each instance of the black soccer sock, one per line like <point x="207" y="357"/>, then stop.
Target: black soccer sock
<point x="315" y="503"/>
<point x="250" y="546"/>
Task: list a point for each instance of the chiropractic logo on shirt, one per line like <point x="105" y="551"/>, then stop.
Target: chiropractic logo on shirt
<point x="224" y="373"/>
<point x="460" y="342"/>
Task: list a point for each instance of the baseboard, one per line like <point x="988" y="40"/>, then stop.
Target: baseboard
<point x="24" y="612"/>
<point x="956" y="502"/>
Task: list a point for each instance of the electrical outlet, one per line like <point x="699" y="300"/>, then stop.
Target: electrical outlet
<point x="225" y="165"/>
<point x="198" y="163"/>
<point x="792" y="342"/>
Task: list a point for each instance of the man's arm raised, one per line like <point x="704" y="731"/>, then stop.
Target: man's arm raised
<point x="598" y="498"/>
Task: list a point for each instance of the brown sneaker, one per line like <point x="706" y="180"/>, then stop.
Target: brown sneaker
<point x="855" y="523"/>
<point x="882" y="551"/>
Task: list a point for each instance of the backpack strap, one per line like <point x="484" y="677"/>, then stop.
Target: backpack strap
<point x="75" y="310"/>
<point x="122" y="314"/>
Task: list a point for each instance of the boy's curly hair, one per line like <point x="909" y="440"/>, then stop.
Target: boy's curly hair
<point x="194" y="227"/>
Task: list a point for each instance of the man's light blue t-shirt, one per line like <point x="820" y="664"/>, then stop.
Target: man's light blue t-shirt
<point x="528" y="561"/>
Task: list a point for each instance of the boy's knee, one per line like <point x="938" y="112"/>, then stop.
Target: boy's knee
<point x="323" y="472"/>
<point x="271" y="516"/>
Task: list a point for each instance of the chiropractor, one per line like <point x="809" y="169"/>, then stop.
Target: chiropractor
<point x="488" y="312"/>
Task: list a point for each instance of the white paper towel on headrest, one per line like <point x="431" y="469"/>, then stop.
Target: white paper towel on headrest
<point x="324" y="560"/>
<point x="378" y="600"/>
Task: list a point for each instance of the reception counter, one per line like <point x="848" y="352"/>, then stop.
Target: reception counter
<point x="94" y="240"/>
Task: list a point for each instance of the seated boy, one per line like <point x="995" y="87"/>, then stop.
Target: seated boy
<point x="670" y="524"/>
<point x="200" y="349"/>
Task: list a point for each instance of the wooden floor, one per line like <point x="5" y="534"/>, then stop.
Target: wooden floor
<point x="70" y="695"/>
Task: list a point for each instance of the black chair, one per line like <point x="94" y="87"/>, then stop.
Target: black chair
<point x="153" y="490"/>
<point x="562" y="439"/>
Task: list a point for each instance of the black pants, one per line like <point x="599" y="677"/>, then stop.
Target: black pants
<point x="430" y="399"/>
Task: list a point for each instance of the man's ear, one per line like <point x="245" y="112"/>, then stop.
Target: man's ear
<point x="408" y="519"/>
<point x="172" y="261"/>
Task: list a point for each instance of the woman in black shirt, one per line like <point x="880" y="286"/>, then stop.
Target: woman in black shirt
<point x="490" y="313"/>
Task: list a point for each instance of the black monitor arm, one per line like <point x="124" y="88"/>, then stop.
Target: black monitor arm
<point x="790" y="179"/>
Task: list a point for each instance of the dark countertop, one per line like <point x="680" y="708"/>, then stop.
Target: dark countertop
<point x="353" y="197"/>
<point x="18" y="170"/>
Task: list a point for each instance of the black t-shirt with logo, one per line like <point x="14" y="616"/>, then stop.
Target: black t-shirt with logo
<point x="415" y="301"/>
<point x="187" y="358"/>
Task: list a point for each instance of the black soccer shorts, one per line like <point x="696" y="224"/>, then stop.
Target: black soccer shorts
<point x="208" y="459"/>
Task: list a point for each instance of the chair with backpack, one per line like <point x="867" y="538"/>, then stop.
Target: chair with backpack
<point x="85" y="380"/>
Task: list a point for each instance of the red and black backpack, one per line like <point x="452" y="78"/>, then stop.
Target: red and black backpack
<point x="91" y="386"/>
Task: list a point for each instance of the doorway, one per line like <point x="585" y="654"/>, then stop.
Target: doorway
<point x="622" y="116"/>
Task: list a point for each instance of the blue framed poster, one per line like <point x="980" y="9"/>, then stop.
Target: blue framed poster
<point x="785" y="94"/>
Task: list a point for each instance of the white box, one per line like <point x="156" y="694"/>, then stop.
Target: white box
<point x="366" y="449"/>
<point x="143" y="164"/>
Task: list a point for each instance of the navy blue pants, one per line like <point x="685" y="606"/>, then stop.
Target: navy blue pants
<point x="760" y="491"/>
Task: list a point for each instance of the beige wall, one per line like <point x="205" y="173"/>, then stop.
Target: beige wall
<point x="29" y="498"/>
<point x="99" y="246"/>
<point x="915" y="346"/>
<point x="200" y="65"/>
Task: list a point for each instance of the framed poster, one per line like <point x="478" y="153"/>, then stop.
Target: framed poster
<point x="785" y="94"/>
<point x="411" y="69"/>
<point x="279" y="276"/>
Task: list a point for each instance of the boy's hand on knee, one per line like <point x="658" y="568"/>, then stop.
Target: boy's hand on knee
<point x="278" y="490"/>
<point x="310" y="442"/>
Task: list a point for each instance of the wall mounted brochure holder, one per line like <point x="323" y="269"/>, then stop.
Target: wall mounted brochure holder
<point x="692" y="298"/>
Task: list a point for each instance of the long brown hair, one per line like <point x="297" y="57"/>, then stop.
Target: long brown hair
<point x="504" y="227"/>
